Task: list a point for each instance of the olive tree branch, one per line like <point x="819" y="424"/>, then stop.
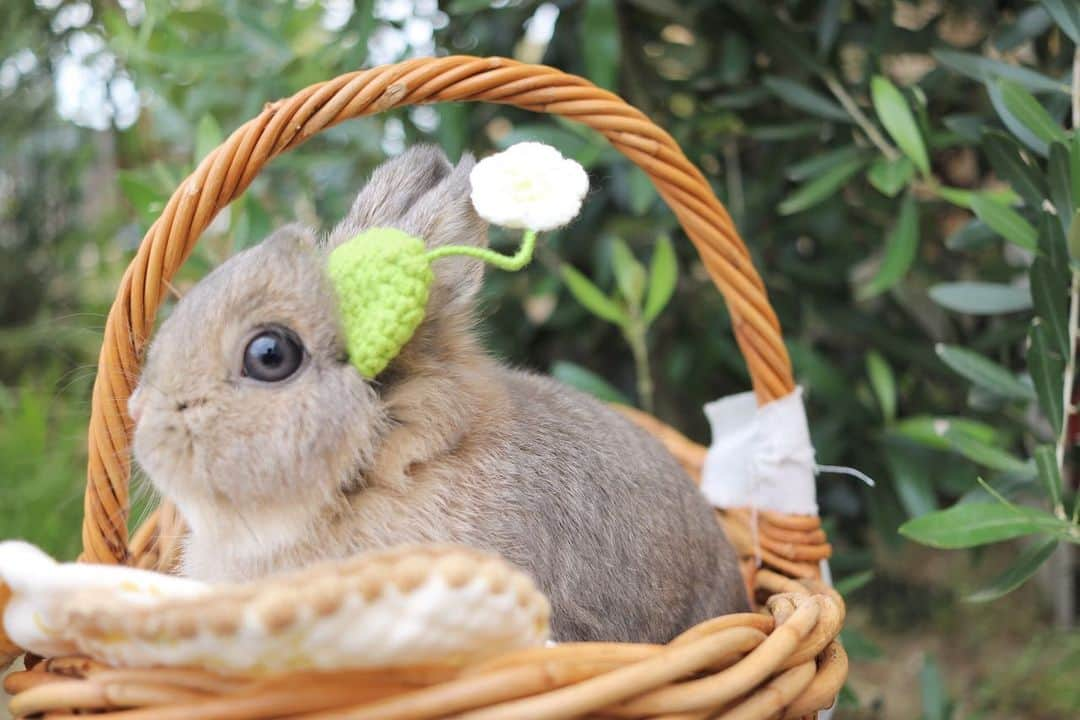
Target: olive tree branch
<point x="1074" y="312"/>
<point x="872" y="133"/>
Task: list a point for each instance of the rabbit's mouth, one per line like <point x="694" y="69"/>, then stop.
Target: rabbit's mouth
<point x="164" y="446"/>
<point x="184" y="405"/>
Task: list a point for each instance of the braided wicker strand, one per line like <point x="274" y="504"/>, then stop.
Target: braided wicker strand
<point x="228" y="170"/>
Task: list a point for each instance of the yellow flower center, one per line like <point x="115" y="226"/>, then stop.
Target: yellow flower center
<point x="525" y="187"/>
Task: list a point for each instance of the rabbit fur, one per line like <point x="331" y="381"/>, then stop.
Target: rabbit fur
<point x="447" y="445"/>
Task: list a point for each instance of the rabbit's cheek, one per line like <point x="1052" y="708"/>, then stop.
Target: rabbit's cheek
<point x="135" y="405"/>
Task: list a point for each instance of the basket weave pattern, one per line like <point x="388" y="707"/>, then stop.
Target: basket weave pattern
<point x="781" y="662"/>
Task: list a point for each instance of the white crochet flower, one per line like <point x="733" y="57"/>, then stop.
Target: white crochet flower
<point x="529" y="185"/>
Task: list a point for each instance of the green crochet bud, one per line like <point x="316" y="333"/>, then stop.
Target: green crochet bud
<point x="383" y="278"/>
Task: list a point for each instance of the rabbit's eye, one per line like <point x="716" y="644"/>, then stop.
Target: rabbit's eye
<point x="272" y="355"/>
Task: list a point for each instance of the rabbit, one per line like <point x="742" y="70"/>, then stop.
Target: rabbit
<point x="277" y="453"/>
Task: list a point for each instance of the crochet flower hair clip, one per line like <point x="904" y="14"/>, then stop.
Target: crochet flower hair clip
<point x="382" y="277"/>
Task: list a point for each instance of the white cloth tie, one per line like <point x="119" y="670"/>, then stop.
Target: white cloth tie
<point x="760" y="457"/>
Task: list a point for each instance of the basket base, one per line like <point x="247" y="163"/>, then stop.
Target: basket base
<point x="782" y="662"/>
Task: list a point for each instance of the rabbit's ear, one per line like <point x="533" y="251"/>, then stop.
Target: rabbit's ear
<point x="393" y="190"/>
<point x="445" y="215"/>
<point x="291" y="238"/>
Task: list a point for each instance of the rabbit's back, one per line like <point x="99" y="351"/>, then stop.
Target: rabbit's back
<point x="602" y="515"/>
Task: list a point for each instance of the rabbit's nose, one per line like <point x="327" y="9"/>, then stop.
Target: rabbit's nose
<point x="135" y="406"/>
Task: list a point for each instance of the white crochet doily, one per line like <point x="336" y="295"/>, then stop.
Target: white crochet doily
<point x="380" y="609"/>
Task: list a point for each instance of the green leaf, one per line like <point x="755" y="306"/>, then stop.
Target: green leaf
<point x="821" y="188"/>
<point x="363" y="24"/>
<point x="851" y="583"/>
<point x="144" y="197"/>
<point x="896" y="116"/>
<point x="670" y="9"/>
<point x="240" y="221"/>
<point x="1029" y="24"/>
<point x="799" y="96"/>
<point x="935" y="702"/>
<point x="629" y="273"/>
<point x="785" y="131"/>
<point x="1008" y="162"/>
<point x="901" y="247"/>
<point x="1074" y="168"/>
<point x="973" y="524"/>
<point x="1047" y="369"/>
<point x="453" y="128"/>
<point x="1027" y="110"/>
<point x="1073" y="239"/>
<point x="642" y="191"/>
<point x="817" y="164"/>
<point x="468" y="6"/>
<point x="780" y="40"/>
<point x="663" y="277"/>
<point x="600" y="45"/>
<point x="591" y="297"/>
<point x="1029" y="561"/>
<point x="883" y="382"/>
<point x="588" y="382"/>
<point x="1011" y="486"/>
<point x="586" y="149"/>
<point x="734" y="59"/>
<point x="985" y="69"/>
<point x="208" y="136"/>
<point x="1066" y="14"/>
<point x="889" y="177"/>
<point x="118" y="31"/>
<point x="1013" y="123"/>
<point x="735" y="100"/>
<point x="251" y="222"/>
<point x="933" y="431"/>
<point x="1005" y="221"/>
<point x="911" y="480"/>
<point x="973" y="235"/>
<point x="1061" y="192"/>
<point x="818" y="373"/>
<point x="1049" y="473"/>
<point x="858" y="646"/>
<point x="200" y="21"/>
<point x="984" y="373"/>
<point x="828" y="25"/>
<point x="956" y="196"/>
<point x="986" y="455"/>
<point x="981" y="298"/>
<point x="1054" y="247"/>
<point x="966" y="126"/>
<point x="1050" y="297"/>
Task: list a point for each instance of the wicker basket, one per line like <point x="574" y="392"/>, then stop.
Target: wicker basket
<point x="782" y="662"/>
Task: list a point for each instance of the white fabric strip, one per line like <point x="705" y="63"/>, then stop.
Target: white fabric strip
<point x="760" y="457"/>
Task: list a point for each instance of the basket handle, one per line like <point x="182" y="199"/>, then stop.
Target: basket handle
<point x="229" y="169"/>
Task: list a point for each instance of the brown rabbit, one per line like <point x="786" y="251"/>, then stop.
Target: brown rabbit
<point x="277" y="452"/>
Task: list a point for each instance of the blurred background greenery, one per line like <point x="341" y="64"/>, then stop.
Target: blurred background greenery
<point x="897" y="222"/>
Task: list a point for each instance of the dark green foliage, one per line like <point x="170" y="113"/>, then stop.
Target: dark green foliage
<point x="907" y="189"/>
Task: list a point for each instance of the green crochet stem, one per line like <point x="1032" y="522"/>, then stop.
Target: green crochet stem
<point x="382" y="278"/>
<point x="510" y="263"/>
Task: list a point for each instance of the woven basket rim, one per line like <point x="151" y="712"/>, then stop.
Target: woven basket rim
<point x="786" y="663"/>
<point x="284" y="124"/>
